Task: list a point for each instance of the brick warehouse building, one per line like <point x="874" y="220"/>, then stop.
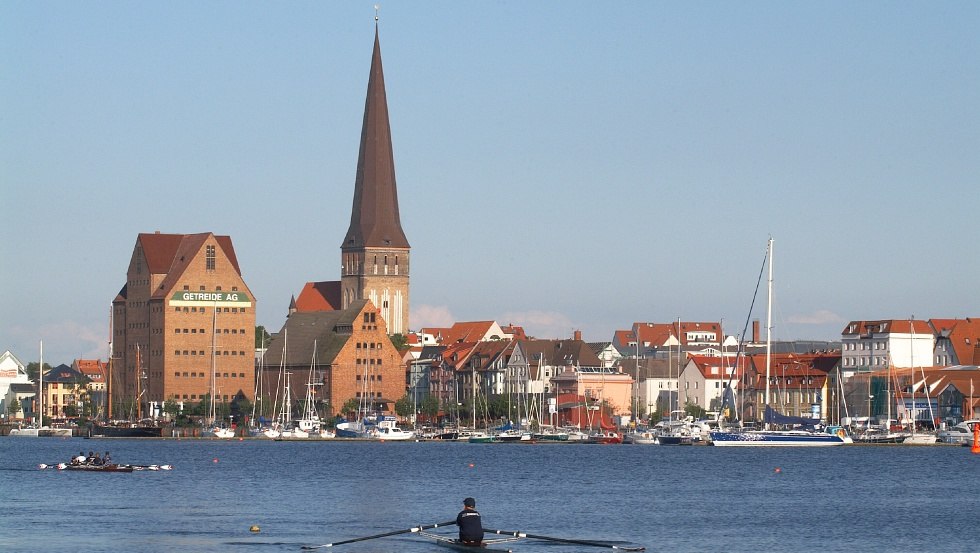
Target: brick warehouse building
<point x="348" y="352"/>
<point x="184" y="312"/>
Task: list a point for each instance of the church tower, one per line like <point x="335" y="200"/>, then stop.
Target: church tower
<point x="375" y="252"/>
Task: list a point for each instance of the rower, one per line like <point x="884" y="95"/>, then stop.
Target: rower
<point x="106" y="460"/>
<point x="470" y="524"/>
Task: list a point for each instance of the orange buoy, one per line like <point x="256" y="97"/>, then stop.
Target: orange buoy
<point x="778" y="470"/>
<point x="976" y="438"/>
<point x="215" y="460"/>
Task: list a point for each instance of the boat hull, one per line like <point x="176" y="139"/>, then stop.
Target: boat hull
<point x="99" y="468"/>
<point x="774" y="438"/>
<point x="41" y="432"/>
<point x="125" y="432"/>
<point x="452" y="543"/>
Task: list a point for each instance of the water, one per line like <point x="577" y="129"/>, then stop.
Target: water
<point x="669" y="499"/>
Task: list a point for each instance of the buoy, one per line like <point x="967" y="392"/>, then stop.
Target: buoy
<point x="778" y="470"/>
<point x="254" y="528"/>
<point x="976" y="438"/>
<point x="215" y="460"/>
<point x="472" y="465"/>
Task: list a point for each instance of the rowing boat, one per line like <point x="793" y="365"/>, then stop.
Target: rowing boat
<point x="100" y="468"/>
<point x="452" y="543"/>
<point x="104" y="468"/>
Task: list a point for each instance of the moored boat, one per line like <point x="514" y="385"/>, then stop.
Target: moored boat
<point x="775" y="438"/>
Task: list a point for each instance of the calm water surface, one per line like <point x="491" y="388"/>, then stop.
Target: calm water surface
<point x="669" y="499"/>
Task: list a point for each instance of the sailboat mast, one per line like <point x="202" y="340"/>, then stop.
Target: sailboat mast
<point x="768" y="330"/>
<point x="40" y="384"/>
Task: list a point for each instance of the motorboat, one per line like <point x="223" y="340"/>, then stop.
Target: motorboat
<point x="961" y="433"/>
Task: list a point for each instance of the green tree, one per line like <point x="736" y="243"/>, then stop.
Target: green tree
<point x="31" y="369"/>
<point x="405" y="406"/>
<point x="13" y="407"/>
<point x="262" y="337"/>
<point x="171" y="408"/>
<point x="430" y="406"/>
<point x="695" y="411"/>
<point x="352" y="405"/>
<point x="399" y="341"/>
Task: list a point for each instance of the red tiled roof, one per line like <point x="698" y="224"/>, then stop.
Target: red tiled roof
<point x="898" y="326"/>
<point x="467" y="332"/>
<point x="319" y="296"/>
<point x="705" y="363"/>
<point x="92" y="368"/>
<point x="964" y="337"/>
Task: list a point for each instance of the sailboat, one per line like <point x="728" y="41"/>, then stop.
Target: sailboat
<point x="37" y="428"/>
<point x="767" y="437"/>
<point x="310" y="423"/>
<point x="213" y="430"/>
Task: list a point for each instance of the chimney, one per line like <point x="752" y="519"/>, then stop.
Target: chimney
<point x="755" y="331"/>
<point x="577" y="335"/>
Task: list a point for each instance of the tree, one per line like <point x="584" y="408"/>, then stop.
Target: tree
<point x="430" y="406"/>
<point x="352" y="405"/>
<point x="13" y="407"/>
<point x="31" y="369"/>
<point x="262" y="337"/>
<point x="405" y="406"/>
<point x="695" y="411"/>
<point x="399" y="341"/>
<point x="171" y="408"/>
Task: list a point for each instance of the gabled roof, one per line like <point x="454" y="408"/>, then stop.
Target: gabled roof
<point x="559" y="353"/>
<point x="456" y="355"/>
<point x="716" y="368"/>
<point x="14" y="366"/>
<point x="886" y="326"/>
<point x="93" y="369"/>
<point x="488" y="352"/>
<point x="963" y="336"/>
<point x="161" y="250"/>
<point x="329" y="330"/>
<point x="790" y="365"/>
<point x="170" y="254"/>
<point x="319" y="296"/>
<point x="659" y="334"/>
<point x="474" y="331"/>
<point x="63" y="374"/>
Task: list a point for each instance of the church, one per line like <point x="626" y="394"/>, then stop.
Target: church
<point x="336" y="337"/>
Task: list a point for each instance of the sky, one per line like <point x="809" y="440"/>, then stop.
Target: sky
<point x="561" y="165"/>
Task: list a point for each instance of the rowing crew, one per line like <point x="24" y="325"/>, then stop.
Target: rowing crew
<point x="90" y="459"/>
<point x="103" y="467"/>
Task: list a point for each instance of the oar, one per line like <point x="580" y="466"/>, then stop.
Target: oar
<point x="386" y="534"/>
<point x="566" y="540"/>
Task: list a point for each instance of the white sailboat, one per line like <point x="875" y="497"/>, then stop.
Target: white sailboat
<point x="214" y="430"/>
<point x="37" y="428"/>
<point x="767" y="437"/>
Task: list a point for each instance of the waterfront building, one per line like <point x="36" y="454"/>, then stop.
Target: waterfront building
<point x="957" y="341"/>
<point x="95" y="372"/>
<point x="705" y="380"/>
<point x="800" y="385"/>
<point x="64" y="392"/>
<point x="12" y="371"/>
<point x="872" y="345"/>
<point x="345" y="354"/>
<point x="183" y="326"/>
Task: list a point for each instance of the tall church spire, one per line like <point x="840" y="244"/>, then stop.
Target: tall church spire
<point x="374" y="220"/>
<point x="375" y="253"/>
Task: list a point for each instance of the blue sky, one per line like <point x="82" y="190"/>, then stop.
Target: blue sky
<point x="561" y="165"/>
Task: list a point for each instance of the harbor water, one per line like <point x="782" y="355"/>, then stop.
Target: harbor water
<point x="668" y="499"/>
